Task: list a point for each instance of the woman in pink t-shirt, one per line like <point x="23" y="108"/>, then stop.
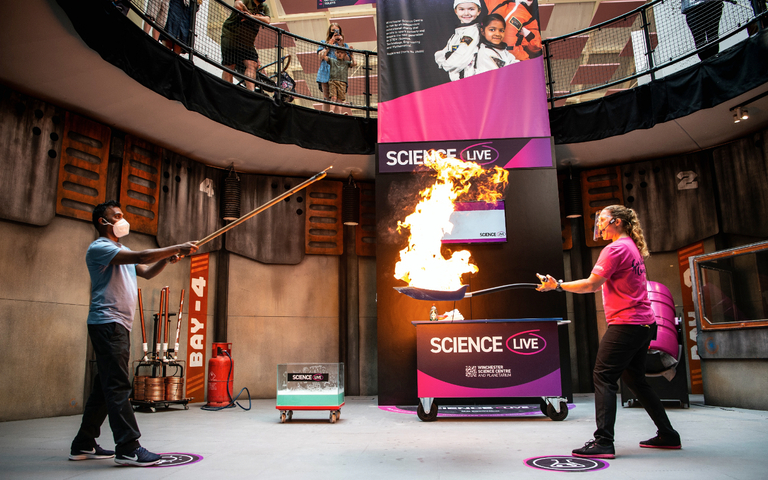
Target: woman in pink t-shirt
<point x="620" y="273"/>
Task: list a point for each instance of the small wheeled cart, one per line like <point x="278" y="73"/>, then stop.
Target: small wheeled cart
<point x="489" y="358"/>
<point x="310" y="386"/>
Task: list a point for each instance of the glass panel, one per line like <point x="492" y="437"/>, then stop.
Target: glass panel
<point x="735" y="289"/>
<point x="310" y="384"/>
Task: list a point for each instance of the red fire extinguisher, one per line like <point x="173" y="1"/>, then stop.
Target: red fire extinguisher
<point x="221" y="375"/>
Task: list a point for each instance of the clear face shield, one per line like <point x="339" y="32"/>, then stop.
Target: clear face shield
<point x="597" y="232"/>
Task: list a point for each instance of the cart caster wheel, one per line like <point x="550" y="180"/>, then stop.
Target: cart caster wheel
<point x="543" y="407"/>
<point x="427" y="417"/>
<point x="186" y="407"/>
<point x="282" y="417"/>
<point x="333" y="417"/>
<point x="338" y="414"/>
<point x="152" y="409"/>
<point x="290" y="414"/>
<point x="551" y="413"/>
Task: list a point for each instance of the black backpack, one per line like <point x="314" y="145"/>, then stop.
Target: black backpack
<point x="287" y="82"/>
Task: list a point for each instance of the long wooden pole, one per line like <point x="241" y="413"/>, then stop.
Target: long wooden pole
<point x="178" y="326"/>
<point x="260" y="209"/>
<point x="143" y="331"/>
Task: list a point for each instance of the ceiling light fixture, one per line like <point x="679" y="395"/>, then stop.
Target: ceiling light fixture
<point x="740" y="111"/>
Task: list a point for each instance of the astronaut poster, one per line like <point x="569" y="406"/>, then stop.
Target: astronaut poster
<point x="467" y="71"/>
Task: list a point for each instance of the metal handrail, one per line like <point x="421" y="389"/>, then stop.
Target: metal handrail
<point x="654" y="66"/>
<point x="280" y="93"/>
<point x="644" y="12"/>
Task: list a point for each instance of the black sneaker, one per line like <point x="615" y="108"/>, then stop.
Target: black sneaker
<point x="658" y="441"/>
<point x="592" y="449"/>
<point x="141" y="457"/>
<point x="94" y="453"/>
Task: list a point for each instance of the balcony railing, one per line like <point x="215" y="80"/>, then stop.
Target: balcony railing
<point x="649" y="42"/>
<point x="652" y="41"/>
<point x="279" y="52"/>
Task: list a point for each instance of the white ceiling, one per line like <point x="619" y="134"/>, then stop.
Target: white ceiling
<point x="42" y="56"/>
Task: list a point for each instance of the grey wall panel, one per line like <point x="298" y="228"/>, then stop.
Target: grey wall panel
<point x="275" y="235"/>
<point x="674" y="199"/>
<point x="30" y="144"/>
<point x="189" y="202"/>
<point x="281" y="314"/>
<point x="730" y="344"/>
<point x="736" y="383"/>
<point x="742" y="176"/>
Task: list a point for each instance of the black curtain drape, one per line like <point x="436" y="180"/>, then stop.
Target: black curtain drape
<point x="704" y="85"/>
<point x="120" y="42"/>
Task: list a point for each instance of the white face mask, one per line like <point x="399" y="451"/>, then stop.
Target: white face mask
<point x="120" y="228"/>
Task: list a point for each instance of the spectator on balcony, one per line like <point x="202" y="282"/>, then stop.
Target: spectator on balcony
<point x="334" y="36"/>
<point x="758" y="7"/>
<point x="703" y="19"/>
<point x="123" y="5"/>
<point x="338" y="75"/>
<point x="237" y="37"/>
<point x="157" y="11"/>
<point x="179" y="24"/>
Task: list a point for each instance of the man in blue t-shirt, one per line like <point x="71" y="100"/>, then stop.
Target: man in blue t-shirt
<point x="113" y="268"/>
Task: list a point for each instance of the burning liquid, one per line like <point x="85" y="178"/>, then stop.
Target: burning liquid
<point x="422" y="264"/>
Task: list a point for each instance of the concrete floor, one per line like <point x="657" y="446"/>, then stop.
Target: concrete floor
<point x="370" y="443"/>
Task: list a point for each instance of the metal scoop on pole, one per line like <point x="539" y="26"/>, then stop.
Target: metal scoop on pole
<point x="461" y="293"/>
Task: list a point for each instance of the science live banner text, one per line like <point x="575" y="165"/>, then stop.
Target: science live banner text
<point x="488" y="358"/>
<point x="445" y="79"/>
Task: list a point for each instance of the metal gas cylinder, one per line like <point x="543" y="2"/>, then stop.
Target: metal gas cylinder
<point x="221" y="375"/>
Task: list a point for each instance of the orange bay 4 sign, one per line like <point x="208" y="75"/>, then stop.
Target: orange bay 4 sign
<point x="198" y="313"/>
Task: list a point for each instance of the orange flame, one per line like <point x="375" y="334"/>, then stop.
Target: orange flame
<point x="421" y="263"/>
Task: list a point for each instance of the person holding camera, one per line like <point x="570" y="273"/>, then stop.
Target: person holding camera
<point x="333" y="37"/>
<point x="339" y="73"/>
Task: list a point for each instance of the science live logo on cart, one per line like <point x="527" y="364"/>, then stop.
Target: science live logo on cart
<point x="522" y="343"/>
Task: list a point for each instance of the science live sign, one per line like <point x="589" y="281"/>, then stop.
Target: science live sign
<point x="322" y="4"/>
<point x="196" y="336"/>
<point x="488" y="358"/>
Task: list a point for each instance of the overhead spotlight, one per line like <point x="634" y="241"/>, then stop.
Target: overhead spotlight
<point x="739" y="114"/>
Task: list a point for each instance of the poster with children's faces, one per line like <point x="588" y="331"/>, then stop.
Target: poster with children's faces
<point x="437" y="43"/>
<point x="453" y="67"/>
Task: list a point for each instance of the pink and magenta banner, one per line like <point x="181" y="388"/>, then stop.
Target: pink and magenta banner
<point x="452" y="71"/>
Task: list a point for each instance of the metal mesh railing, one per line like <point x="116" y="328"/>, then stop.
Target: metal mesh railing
<point x="612" y="56"/>
<point x="580" y="66"/>
<point x="260" y="57"/>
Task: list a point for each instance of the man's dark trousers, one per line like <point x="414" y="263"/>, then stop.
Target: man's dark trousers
<point x="111" y="390"/>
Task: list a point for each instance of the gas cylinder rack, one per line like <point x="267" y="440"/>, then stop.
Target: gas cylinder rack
<point x="163" y="385"/>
